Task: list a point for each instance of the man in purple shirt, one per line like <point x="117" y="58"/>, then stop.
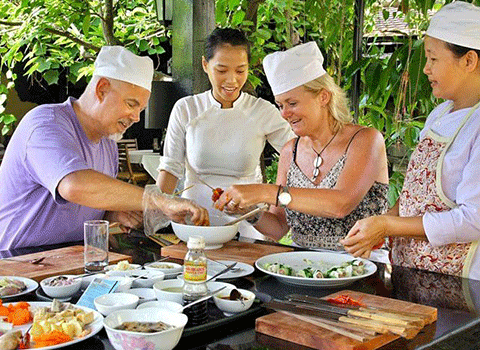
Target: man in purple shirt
<point x="60" y="165"/>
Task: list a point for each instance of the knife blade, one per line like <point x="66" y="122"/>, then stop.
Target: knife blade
<point x="281" y="305"/>
<point x="339" y="308"/>
<point x="388" y="316"/>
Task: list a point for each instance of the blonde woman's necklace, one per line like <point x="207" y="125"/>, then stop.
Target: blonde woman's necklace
<point x="319" y="160"/>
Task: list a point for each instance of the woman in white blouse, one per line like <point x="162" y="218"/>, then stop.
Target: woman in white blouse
<point x="218" y="136"/>
<point x="435" y="224"/>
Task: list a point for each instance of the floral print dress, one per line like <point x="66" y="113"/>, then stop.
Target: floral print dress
<point x="322" y="232"/>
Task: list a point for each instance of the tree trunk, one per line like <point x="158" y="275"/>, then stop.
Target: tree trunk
<point x="107" y="24"/>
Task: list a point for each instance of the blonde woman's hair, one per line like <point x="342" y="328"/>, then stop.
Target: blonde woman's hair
<point x="338" y="105"/>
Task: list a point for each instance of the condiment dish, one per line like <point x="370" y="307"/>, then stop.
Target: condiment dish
<point x="146" y="278"/>
<point x="127" y="340"/>
<point x="145" y="294"/>
<point x="230" y="307"/>
<point x="66" y="286"/>
<point x="169" y="290"/>
<point x="168" y="268"/>
<point x="162" y="304"/>
<point x="108" y="303"/>
<point x="122" y="266"/>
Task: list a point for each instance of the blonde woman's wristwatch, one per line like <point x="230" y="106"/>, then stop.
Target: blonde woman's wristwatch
<point x="284" y="197"/>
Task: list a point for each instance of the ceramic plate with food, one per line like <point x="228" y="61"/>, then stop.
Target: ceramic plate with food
<point x="15" y="286"/>
<point x="316" y="268"/>
<point x="89" y="330"/>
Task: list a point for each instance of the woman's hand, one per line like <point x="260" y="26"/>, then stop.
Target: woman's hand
<point x="238" y="198"/>
<point x="365" y="236"/>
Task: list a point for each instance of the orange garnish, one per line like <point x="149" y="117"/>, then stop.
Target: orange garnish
<point x="51" y="338"/>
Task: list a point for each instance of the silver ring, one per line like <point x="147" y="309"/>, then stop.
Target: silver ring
<point x="233" y="203"/>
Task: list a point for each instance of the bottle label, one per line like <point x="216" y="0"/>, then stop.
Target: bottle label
<point x="195" y="272"/>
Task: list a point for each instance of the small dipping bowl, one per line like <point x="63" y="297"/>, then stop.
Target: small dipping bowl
<point x="148" y="278"/>
<point x="144" y="294"/>
<point x="162" y="304"/>
<point x="61" y="291"/>
<point x="168" y="268"/>
<point x="231" y="307"/>
<point x="108" y="303"/>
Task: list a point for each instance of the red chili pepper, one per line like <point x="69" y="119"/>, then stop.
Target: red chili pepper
<point x="379" y="245"/>
<point x="345" y="300"/>
<point x="216" y="194"/>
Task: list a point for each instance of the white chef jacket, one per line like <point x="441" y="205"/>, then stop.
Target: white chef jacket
<point x="220" y="146"/>
<point x="460" y="181"/>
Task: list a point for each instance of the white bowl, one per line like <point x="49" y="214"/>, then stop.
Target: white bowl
<point x="145" y="294"/>
<point x="150" y="277"/>
<point x="124" y="283"/>
<point x="214" y="235"/>
<point x="162" y="304"/>
<point x="230" y="307"/>
<point x="126" y="340"/>
<point x="108" y="303"/>
<point x="168" y="268"/>
<point x="88" y="279"/>
<point x="122" y="268"/>
<point x="171" y="295"/>
<point x="61" y="291"/>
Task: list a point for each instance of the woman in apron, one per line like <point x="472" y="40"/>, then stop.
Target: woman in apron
<point x="435" y="225"/>
<point x="218" y="136"/>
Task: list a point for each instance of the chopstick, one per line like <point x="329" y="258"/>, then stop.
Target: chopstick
<point x="332" y="328"/>
<point x="203" y="182"/>
<point x="247" y="215"/>
<point x="181" y="191"/>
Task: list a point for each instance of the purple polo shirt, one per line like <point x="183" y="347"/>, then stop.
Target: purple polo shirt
<point x="48" y="144"/>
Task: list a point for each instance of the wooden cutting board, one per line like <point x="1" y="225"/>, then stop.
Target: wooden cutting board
<point x="244" y="252"/>
<point x="289" y="328"/>
<point x="68" y="260"/>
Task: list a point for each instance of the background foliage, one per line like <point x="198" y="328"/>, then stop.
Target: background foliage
<point x="54" y="42"/>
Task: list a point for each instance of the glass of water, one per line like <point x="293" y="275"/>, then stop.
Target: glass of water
<point x="95" y="245"/>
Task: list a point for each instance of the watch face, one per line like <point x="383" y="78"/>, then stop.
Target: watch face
<point x="284" y="198"/>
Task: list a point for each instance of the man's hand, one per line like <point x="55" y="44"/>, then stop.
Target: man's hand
<point x="129" y="219"/>
<point x="179" y="209"/>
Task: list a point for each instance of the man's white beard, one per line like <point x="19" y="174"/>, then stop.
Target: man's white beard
<point x="116" y="137"/>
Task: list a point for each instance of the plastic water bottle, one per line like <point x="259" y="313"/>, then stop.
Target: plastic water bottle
<point x="195" y="276"/>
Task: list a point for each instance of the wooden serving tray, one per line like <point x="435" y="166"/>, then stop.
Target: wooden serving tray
<point x="68" y="260"/>
<point x="245" y="252"/>
<point x="289" y="328"/>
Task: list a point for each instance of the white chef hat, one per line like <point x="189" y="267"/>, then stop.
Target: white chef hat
<point x="117" y="62"/>
<point x="457" y="23"/>
<point x="285" y="70"/>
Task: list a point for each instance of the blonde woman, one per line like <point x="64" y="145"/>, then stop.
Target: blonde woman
<point x="332" y="174"/>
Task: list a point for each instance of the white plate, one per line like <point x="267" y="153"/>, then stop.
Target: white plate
<point x="95" y="327"/>
<point x="245" y="269"/>
<point x="320" y="260"/>
<point x="31" y="286"/>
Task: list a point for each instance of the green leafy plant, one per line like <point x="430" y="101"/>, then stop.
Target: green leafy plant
<point x="55" y="38"/>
